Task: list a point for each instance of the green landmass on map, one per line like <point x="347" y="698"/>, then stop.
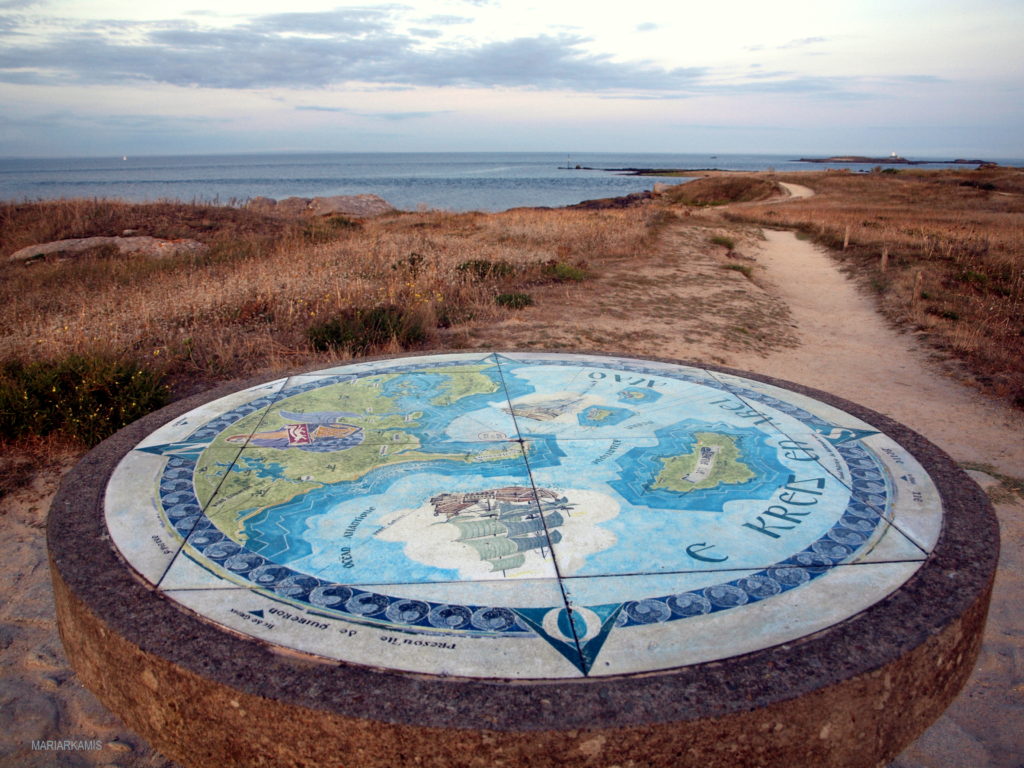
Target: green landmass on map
<point x="465" y="381"/>
<point x="726" y="467"/>
<point x="598" y="414"/>
<point x="273" y="476"/>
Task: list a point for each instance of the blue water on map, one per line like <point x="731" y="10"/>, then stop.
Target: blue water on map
<point x="458" y="181"/>
<point x="639" y="467"/>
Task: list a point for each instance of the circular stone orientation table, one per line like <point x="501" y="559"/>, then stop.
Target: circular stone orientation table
<point x="517" y="558"/>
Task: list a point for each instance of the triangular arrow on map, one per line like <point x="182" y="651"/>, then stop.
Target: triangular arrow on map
<point x="258" y="612"/>
<point x="186" y="449"/>
<point x="838" y="435"/>
<point x="592" y="626"/>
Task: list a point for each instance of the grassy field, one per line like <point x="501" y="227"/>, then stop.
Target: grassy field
<point x="943" y="251"/>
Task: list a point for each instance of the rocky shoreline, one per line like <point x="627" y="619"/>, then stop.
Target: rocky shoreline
<point x="360" y="206"/>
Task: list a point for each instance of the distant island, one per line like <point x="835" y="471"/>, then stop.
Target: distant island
<point x="891" y="160"/>
<point x="837" y="159"/>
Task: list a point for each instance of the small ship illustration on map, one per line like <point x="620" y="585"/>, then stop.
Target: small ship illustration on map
<point x="546" y="410"/>
<point x="502" y="524"/>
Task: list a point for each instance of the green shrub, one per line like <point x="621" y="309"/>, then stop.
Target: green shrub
<point x="339" y="222"/>
<point x="483" y="269"/>
<point x="514" y="300"/>
<point x="562" y="272"/>
<point x="411" y="263"/>
<point x="726" y="242"/>
<point x="946" y="314"/>
<point x="971" y="276"/>
<point x="880" y="284"/>
<point x="329" y="228"/>
<point x="447" y="314"/>
<point x="360" y="329"/>
<point x="746" y="270"/>
<point x="84" y="398"/>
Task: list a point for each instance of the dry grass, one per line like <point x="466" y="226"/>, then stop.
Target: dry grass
<point x="247" y="308"/>
<point x="672" y="299"/>
<point x="719" y="190"/>
<point x="224" y="228"/>
<point x="944" y="250"/>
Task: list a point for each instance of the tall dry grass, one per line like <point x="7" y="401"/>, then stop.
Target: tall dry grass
<point x="221" y="227"/>
<point x="944" y="250"/>
<point x="248" y="307"/>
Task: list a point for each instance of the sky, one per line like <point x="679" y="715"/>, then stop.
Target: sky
<point x="923" y="78"/>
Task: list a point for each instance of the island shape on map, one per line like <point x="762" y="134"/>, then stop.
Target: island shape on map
<point x="714" y="460"/>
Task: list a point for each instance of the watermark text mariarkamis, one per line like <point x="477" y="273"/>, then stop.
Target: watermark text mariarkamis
<point x="67" y="745"/>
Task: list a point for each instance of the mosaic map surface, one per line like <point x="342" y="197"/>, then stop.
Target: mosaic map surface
<point x="519" y="515"/>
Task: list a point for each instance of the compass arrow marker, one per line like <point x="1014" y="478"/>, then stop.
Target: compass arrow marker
<point x="593" y="624"/>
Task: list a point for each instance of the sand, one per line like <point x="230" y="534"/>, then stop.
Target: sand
<point x="798" y="318"/>
<point x="848" y="349"/>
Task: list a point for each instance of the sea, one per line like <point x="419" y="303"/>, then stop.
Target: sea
<point x="455" y="181"/>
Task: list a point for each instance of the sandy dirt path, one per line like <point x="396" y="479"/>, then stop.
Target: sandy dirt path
<point x="848" y="349"/>
<point x="795" y="191"/>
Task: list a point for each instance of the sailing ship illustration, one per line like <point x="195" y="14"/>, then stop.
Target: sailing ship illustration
<point x="503" y="524"/>
<point x="546" y="410"/>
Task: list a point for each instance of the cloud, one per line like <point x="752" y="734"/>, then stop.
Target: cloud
<point x="406" y="115"/>
<point x="919" y="79"/>
<point x="71" y="122"/>
<point x="787" y="83"/>
<point x="312" y="50"/>
<point x="10" y="25"/>
<point x="802" y="42"/>
<point x="420" y="32"/>
<point x="365" y="49"/>
<point x="410" y="115"/>
<point x="647" y="26"/>
<point x="447" y="20"/>
<point x="315" y="108"/>
<point x="342" y="21"/>
<point x="549" y="63"/>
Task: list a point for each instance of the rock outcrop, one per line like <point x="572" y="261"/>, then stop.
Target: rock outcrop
<point x="359" y="206"/>
<point x="142" y="245"/>
<point x="626" y="201"/>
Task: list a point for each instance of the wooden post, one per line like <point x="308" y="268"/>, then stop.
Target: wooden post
<point x="885" y="259"/>
<point x="918" y="281"/>
<point x="846" y="238"/>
